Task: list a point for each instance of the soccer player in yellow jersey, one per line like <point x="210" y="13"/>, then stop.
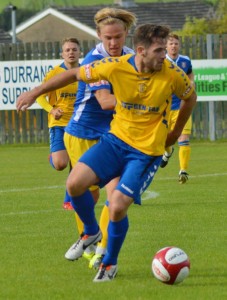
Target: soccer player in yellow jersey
<point x="143" y="85"/>
<point x="59" y="105"/>
<point x="184" y="62"/>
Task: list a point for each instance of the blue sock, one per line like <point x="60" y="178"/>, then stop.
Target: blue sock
<point x="67" y="197"/>
<point x="84" y="206"/>
<point x="116" y="235"/>
<point x="51" y="161"/>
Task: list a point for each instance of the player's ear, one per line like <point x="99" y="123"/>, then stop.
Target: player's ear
<point x="99" y="34"/>
<point x="141" y="50"/>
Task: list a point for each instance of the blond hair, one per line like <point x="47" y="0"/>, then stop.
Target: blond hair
<point x="108" y="16"/>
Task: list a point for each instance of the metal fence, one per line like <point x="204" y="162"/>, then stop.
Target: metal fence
<point x="31" y="126"/>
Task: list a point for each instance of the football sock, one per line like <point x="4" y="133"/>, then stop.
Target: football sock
<point x="116" y="235"/>
<point x="184" y="154"/>
<point x="79" y="223"/>
<point x="84" y="206"/>
<point x="103" y="224"/>
<point x="67" y="197"/>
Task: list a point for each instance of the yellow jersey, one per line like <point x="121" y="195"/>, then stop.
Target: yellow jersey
<point x="143" y="99"/>
<point x="63" y="98"/>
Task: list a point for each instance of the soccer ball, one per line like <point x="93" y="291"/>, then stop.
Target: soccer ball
<point x="170" y="265"/>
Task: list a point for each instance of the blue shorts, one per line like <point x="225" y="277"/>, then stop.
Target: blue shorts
<point x="111" y="157"/>
<point x="56" y="138"/>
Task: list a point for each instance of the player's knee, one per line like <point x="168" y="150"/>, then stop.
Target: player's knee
<point x="117" y="211"/>
<point x="74" y="187"/>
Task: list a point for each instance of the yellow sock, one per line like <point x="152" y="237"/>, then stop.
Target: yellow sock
<point x="79" y="223"/>
<point x="103" y="224"/>
<point x="184" y="156"/>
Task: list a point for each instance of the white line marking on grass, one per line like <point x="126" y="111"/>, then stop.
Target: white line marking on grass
<point x="62" y="186"/>
<point x="194" y="176"/>
<point x="146" y="196"/>
<point x="33" y="212"/>
<point x="33" y="189"/>
<point x="149" y="195"/>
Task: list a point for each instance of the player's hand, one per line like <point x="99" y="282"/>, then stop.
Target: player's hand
<point x="57" y="113"/>
<point x="25" y="100"/>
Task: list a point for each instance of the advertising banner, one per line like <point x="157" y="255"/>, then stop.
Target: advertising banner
<point x="17" y="77"/>
<point x="211" y="79"/>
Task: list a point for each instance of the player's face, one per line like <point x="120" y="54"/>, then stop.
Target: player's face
<point x="155" y="55"/>
<point x="113" y="37"/>
<point x="173" y="47"/>
<point x="70" y="52"/>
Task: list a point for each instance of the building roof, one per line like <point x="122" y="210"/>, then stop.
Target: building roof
<point x="82" y="17"/>
<point x="172" y="13"/>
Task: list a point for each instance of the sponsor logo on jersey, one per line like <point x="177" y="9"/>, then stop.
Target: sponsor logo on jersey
<point x="99" y="83"/>
<point x="66" y="95"/>
<point x="140" y="107"/>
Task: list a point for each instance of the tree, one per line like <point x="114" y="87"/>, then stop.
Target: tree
<point x="216" y="25"/>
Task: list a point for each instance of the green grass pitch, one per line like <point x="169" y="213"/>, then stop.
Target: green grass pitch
<point x="36" y="231"/>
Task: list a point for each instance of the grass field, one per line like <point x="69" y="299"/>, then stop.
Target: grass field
<point x="36" y="231"/>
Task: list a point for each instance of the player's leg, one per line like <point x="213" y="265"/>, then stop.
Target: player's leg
<point x="117" y="230"/>
<point x="129" y="189"/>
<point x="78" y="182"/>
<point x="184" y="151"/>
<point x="58" y="157"/>
<point x="75" y="148"/>
<point x="98" y="165"/>
<point x="103" y="224"/>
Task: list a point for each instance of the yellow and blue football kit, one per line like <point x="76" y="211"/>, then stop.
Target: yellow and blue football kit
<point x="140" y="125"/>
<point x="133" y="147"/>
<point x="185" y="64"/>
<point x="143" y="99"/>
<point x="62" y="98"/>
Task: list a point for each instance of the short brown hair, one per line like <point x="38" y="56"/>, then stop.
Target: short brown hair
<point x="146" y="34"/>
<point x="70" y="40"/>
<point x="173" y="36"/>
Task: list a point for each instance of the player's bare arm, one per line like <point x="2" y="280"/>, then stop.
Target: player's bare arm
<point x="184" y="113"/>
<point x="106" y="100"/>
<point x="26" y="99"/>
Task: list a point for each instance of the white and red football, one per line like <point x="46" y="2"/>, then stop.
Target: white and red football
<point x="170" y="265"/>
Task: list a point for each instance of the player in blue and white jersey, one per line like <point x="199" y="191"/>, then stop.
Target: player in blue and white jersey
<point x="93" y="112"/>
<point x="184" y="62"/>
